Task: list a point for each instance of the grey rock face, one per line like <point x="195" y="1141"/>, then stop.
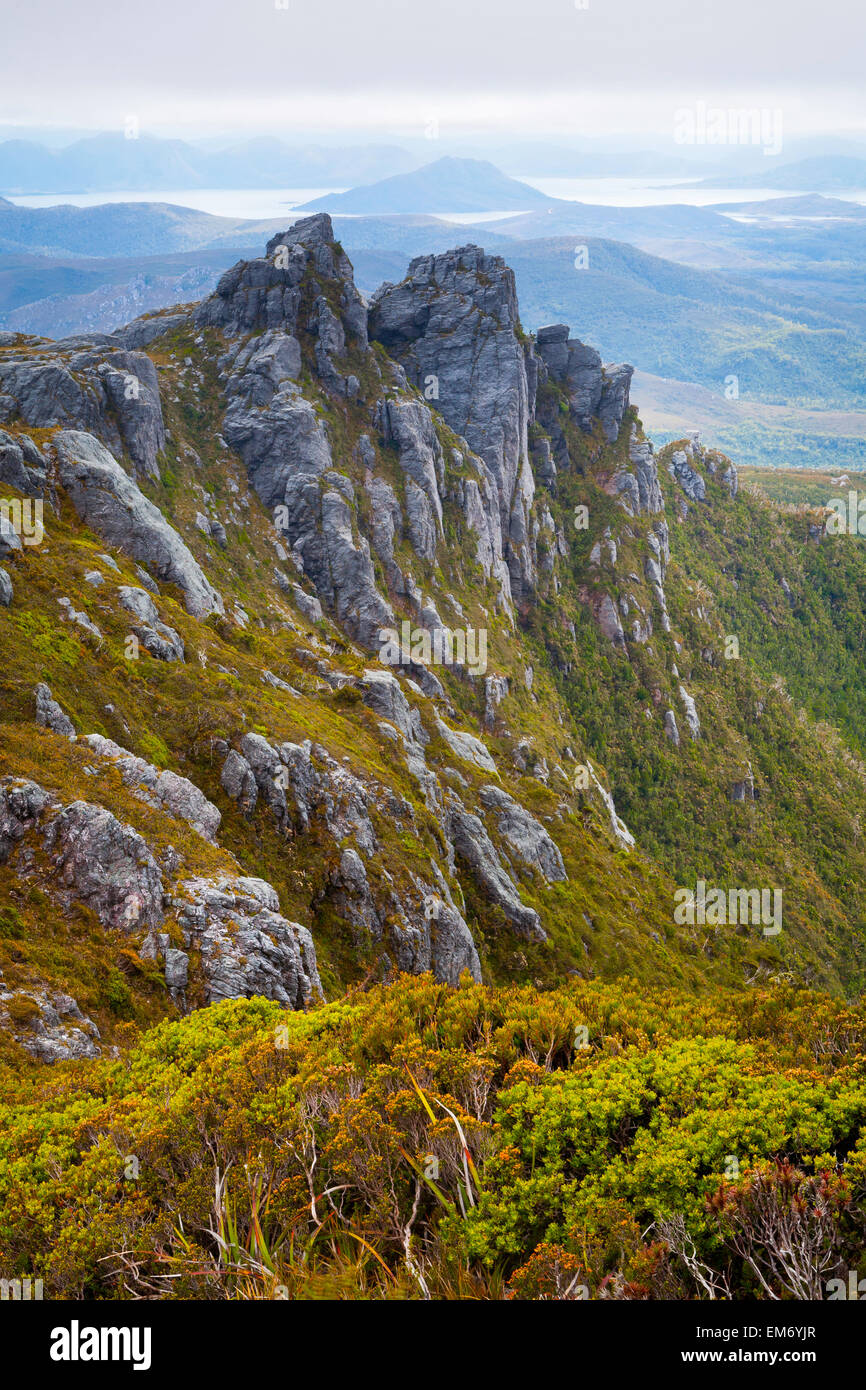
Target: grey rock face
<point x="687" y="476"/>
<point x="308" y="604"/>
<point x="452" y="325"/>
<point x="320" y="787"/>
<point x="265" y="294"/>
<point x="10" y="541"/>
<point x="615" y="385"/>
<point x="162" y="641"/>
<point x="382" y="693"/>
<point x="691" y="713"/>
<point x="452" y="949"/>
<point x="22" y="465"/>
<point x="114" y="395"/>
<point x="238" y="781"/>
<point x="408" y="425"/>
<point x="49" y="715"/>
<point x="422" y="929"/>
<point x="638" y="487"/>
<point x="162" y="788"/>
<point x="467" y="746"/>
<point x="21" y="805"/>
<point x="317" y="522"/>
<point x="594" y="391"/>
<point x="671" y="729"/>
<point x="56" y="1031"/>
<point x="106" y="865"/>
<point x="107" y="500"/>
<point x="475" y="848"/>
<point x="247" y="947"/>
<point x="7" y="593"/>
<point x="524" y="835"/>
<point x="609" y="620"/>
<point x="278" y="434"/>
<point x="576" y="367"/>
<point x="495" y="691"/>
<point x="479" y="500"/>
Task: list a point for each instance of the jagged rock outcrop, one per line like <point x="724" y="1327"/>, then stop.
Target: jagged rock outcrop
<point x="477" y="851"/>
<point x="453" y="325"/>
<point x="523" y="834"/>
<point x="320" y="786"/>
<point x="49" y="715"/>
<point x="277" y="432"/>
<point x="266" y="294"/>
<point x="94" y="858"/>
<point x="53" y="1030"/>
<point x="247" y="947"/>
<point x="687" y="476"/>
<point x="691" y="713"/>
<point x="105" y="864"/>
<point x="162" y="641"/>
<point x="231" y="922"/>
<point x="22" y="466"/>
<point x="419" y="927"/>
<point x="113" y="395"/>
<point x="167" y="790"/>
<point x="108" y="501"/>
<point x="7" y="592"/>
<point x="638" y="487"/>
<point x="594" y="391"/>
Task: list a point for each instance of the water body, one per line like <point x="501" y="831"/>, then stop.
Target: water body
<point x="258" y="203"/>
<point x="269" y="203"/>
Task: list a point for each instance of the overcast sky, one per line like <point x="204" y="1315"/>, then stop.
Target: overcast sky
<point x="387" y="67"/>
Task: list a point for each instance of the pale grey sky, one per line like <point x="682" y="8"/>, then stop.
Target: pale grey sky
<point x="388" y="67"/>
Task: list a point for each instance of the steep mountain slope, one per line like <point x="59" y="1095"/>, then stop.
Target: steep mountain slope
<point x="340" y="627"/>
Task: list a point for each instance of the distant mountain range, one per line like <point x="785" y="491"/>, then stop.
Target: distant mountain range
<point x="841" y="173"/>
<point x="691" y="295"/>
<point x="111" y="162"/>
<point x="446" y="185"/>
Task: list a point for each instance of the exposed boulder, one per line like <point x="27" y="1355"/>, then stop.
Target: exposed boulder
<point x="247" y="947"/>
<point x="54" y="1031"/>
<point x="162" y="788"/>
<point x="466" y="746"/>
<point x="688" y="477"/>
<point x="22" y="466"/>
<point x="162" y="641"/>
<point x="107" y="865"/>
<point x="477" y="851"/>
<point x="108" y="501"/>
<point x="49" y="715"/>
<point x="238" y="781"/>
<point x="7" y="592"/>
<point x="691" y="713"/>
<point x="524" y="835"/>
<point x="420" y="927"/>
<point x="594" y="391"/>
<point x="671" y="729"/>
